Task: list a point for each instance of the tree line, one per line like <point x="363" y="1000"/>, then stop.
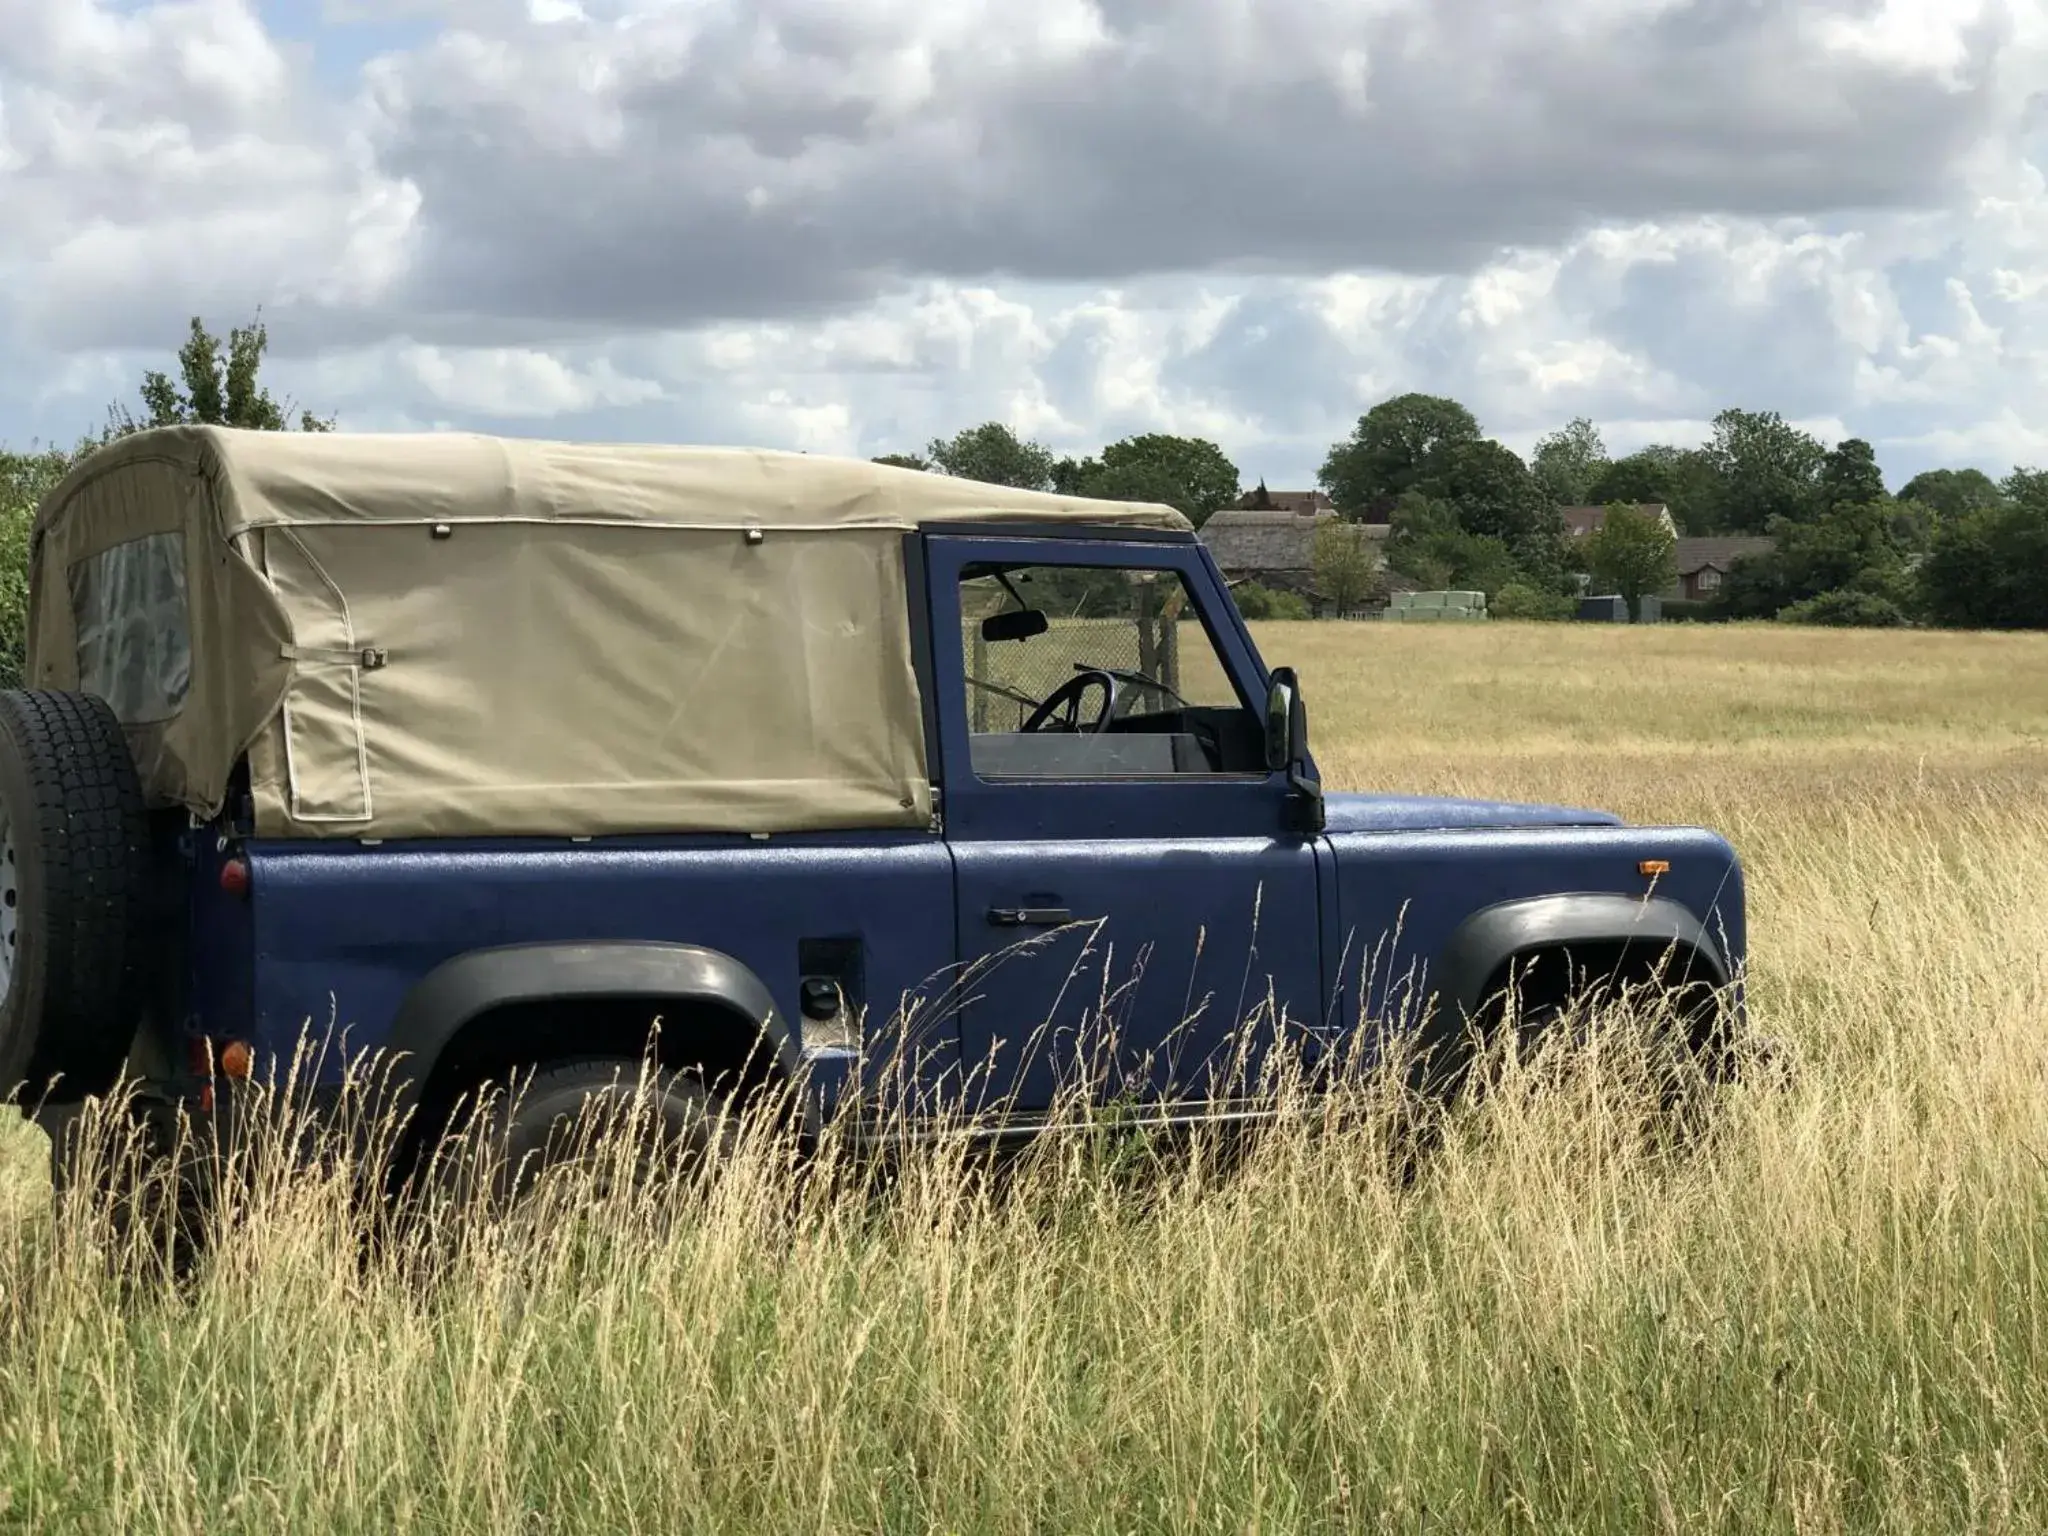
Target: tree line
<point x="1950" y="547"/>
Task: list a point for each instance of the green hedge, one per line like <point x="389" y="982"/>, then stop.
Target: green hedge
<point x="1680" y="610"/>
<point x="25" y="478"/>
<point x="1518" y="600"/>
<point x="1257" y="602"/>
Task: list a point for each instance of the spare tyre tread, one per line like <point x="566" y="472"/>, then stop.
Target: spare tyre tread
<point x="80" y="832"/>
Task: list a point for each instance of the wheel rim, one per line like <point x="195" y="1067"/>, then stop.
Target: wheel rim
<point x="10" y="906"/>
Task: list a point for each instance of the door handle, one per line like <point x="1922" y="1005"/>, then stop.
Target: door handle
<point x="1029" y="917"/>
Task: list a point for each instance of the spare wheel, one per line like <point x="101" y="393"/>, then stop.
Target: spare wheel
<point x="73" y="870"/>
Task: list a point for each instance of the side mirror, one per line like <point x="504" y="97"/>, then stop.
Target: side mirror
<point x="1287" y="750"/>
<point x="1279" y="720"/>
<point x="1015" y="624"/>
<point x="1286" y="721"/>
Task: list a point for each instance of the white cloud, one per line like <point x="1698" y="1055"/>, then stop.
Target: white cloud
<point x="852" y="228"/>
<point x="166" y="158"/>
<point x="511" y="382"/>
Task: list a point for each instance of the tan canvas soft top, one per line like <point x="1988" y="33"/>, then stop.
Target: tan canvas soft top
<point x="450" y="634"/>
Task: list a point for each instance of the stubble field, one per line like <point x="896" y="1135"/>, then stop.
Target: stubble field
<point x="1827" y="1317"/>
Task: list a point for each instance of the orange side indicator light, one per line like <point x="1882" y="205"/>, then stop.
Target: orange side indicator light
<point x="235" y="1060"/>
<point x="1654" y="867"/>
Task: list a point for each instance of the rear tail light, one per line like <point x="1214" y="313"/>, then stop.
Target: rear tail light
<point x="210" y="1058"/>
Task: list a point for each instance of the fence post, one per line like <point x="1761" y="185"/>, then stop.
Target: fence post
<point x="1148" y="634"/>
<point x="980" y="706"/>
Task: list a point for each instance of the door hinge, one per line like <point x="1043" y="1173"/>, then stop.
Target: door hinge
<point x="938" y="810"/>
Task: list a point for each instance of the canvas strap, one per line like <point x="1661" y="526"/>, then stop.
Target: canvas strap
<point x="369" y="657"/>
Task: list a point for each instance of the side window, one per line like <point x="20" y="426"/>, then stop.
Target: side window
<point x="1097" y="672"/>
<point x="134" y="630"/>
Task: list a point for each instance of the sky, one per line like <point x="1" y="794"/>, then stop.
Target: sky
<point x="850" y="226"/>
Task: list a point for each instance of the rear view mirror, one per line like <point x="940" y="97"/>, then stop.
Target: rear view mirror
<point x="1016" y="624"/>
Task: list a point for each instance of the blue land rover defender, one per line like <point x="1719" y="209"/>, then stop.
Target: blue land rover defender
<point x="492" y="757"/>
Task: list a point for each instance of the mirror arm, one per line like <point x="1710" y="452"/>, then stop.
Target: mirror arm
<point x="1306" y="812"/>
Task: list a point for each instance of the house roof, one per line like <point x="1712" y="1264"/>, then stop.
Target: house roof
<point x="1720" y="552"/>
<point x="1284" y="501"/>
<point x="1580" y="521"/>
<point x="1263" y="541"/>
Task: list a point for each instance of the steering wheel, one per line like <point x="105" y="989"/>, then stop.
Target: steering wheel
<point x="1067" y="698"/>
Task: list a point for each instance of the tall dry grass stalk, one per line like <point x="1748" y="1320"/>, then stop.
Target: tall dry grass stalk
<point x="1823" y="1315"/>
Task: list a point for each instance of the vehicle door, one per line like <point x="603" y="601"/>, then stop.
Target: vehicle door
<point x="1135" y="918"/>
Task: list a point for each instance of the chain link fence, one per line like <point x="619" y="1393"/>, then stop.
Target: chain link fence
<point x="1121" y="626"/>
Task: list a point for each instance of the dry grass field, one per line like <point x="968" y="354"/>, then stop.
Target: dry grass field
<point x="1829" y="1317"/>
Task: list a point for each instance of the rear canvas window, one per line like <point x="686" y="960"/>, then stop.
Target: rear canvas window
<point x="134" y="630"/>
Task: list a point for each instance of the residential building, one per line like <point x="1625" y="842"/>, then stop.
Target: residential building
<point x="1704" y="564"/>
<point x="1274" y="548"/>
<point x="1259" y="499"/>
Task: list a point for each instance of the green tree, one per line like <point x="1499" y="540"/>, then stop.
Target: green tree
<point x="902" y="461"/>
<point x="1849" y="548"/>
<point x="1681" y="479"/>
<point x="216" y="386"/>
<point x="1756" y="588"/>
<point x="1766" y="469"/>
<point x="1189" y="474"/>
<point x="1952" y="492"/>
<point x="1494" y="492"/>
<point x="1396" y="446"/>
<point x="1427" y="544"/>
<point x="1498" y="499"/>
<point x="25" y="479"/>
<point x="1631" y="553"/>
<point x="1568" y="462"/>
<point x="1913" y="524"/>
<point x="994" y="455"/>
<point x="1423" y="540"/>
<point x="1345" y="568"/>
<point x="1985" y="570"/>
<point x="1849" y="476"/>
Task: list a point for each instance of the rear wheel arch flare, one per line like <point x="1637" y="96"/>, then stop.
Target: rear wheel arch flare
<point x="489" y="1011"/>
<point x="706" y="1038"/>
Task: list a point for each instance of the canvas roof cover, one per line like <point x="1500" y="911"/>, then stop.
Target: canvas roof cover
<point x="443" y="635"/>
